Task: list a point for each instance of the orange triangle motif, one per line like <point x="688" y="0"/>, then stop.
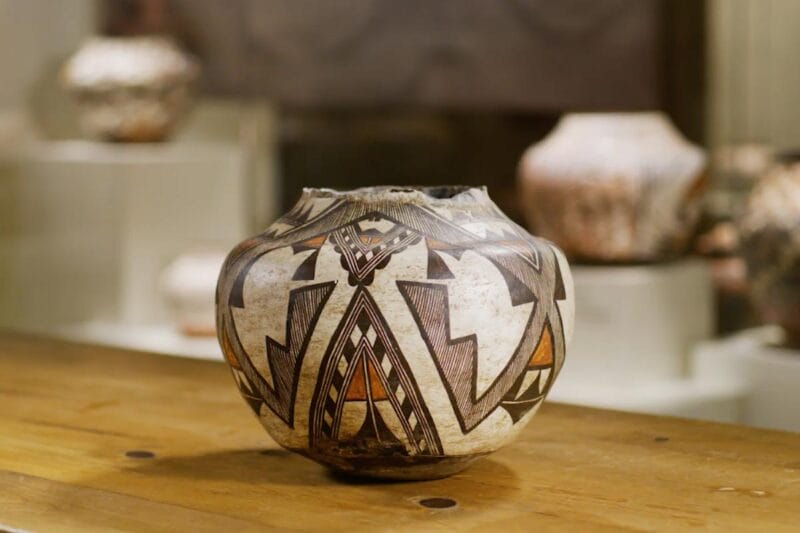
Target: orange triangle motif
<point x="543" y="354"/>
<point x="357" y="389"/>
<point x="438" y="245"/>
<point x="315" y="242"/>
<point x="227" y="351"/>
<point x="375" y="383"/>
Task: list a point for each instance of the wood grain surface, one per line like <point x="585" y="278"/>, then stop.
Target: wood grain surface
<point x="100" y="439"/>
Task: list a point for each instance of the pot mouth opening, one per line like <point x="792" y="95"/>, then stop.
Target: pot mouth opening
<point x="410" y="193"/>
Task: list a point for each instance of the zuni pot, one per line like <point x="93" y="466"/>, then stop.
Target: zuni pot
<point x="614" y="187"/>
<point x="395" y="332"/>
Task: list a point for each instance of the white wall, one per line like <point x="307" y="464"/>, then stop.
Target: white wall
<point x="36" y="35"/>
<point x="35" y="38"/>
<point x="753" y="78"/>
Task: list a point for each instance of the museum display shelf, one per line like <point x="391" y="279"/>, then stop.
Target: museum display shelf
<point x="93" y="225"/>
<point x="635" y="329"/>
<point x="767" y="373"/>
<point x="164" y="339"/>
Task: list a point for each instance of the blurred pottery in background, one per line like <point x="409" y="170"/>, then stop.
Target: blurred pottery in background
<point x="187" y="284"/>
<point x="771" y="246"/>
<point x="720" y="246"/>
<point x="614" y="187"/>
<point x="395" y="332"/>
<point x="130" y="89"/>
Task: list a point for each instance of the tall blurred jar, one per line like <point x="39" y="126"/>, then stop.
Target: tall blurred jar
<point x="770" y="230"/>
<point x="130" y="89"/>
<point x="614" y="187"/>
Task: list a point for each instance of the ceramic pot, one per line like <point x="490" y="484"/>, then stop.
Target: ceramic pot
<point x="395" y="332"/>
<point x="614" y="187"/>
<point x="130" y="89"/>
<point x="187" y="285"/>
<point x="770" y="232"/>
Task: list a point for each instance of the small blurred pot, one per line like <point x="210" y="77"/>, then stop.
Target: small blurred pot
<point x="188" y="285"/>
<point x="130" y="89"/>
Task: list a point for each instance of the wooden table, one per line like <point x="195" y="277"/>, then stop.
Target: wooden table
<point x="97" y="439"/>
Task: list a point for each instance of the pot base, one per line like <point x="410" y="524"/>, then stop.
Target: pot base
<point x="402" y="468"/>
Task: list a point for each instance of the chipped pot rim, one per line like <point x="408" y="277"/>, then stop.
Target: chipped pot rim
<point x="430" y="195"/>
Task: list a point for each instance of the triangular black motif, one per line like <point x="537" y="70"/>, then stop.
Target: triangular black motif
<point x="520" y="293"/>
<point x="307" y="269"/>
<point x="437" y="268"/>
<point x="517" y="407"/>
<point x="248" y="391"/>
<point x="560" y="291"/>
<point x="516" y="410"/>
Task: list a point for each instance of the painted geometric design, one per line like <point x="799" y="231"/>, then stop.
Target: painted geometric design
<point x="307" y="269"/>
<point x="248" y="391"/>
<point x="532" y="385"/>
<point x="365" y="250"/>
<point x="305" y="307"/>
<point x="363" y="364"/>
<point x="437" y="268"/>
<point x="457" y="359"/>
<point x="363" y="390"/>
<point x="302" y="214"/>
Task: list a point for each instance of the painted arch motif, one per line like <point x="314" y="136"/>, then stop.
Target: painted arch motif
<point x="365" y="391"/>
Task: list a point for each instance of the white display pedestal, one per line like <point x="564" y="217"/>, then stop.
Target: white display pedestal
<point x="93" y="225"/>
<point x="638" y="322"/>
<point x="769" y="375"/>
<point x="635" y="327"/>
<point x="163" y="339"/>
<point x="719" y="401"/>
<point x="86" y="227"/>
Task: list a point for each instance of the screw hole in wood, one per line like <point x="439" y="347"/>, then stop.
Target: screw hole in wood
<point x="139" y="454"/>
<point x="437" y="503"/>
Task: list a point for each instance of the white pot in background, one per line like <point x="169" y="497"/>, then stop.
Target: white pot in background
<point x="614" y="187"/>
<point x="188" y="285"/>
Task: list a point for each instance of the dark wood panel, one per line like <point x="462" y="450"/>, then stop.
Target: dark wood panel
<point x="414" y="91"/>
<point x="345" y="149"/>
<point x="683" y="64"/>
<point x="534" y="55"/>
